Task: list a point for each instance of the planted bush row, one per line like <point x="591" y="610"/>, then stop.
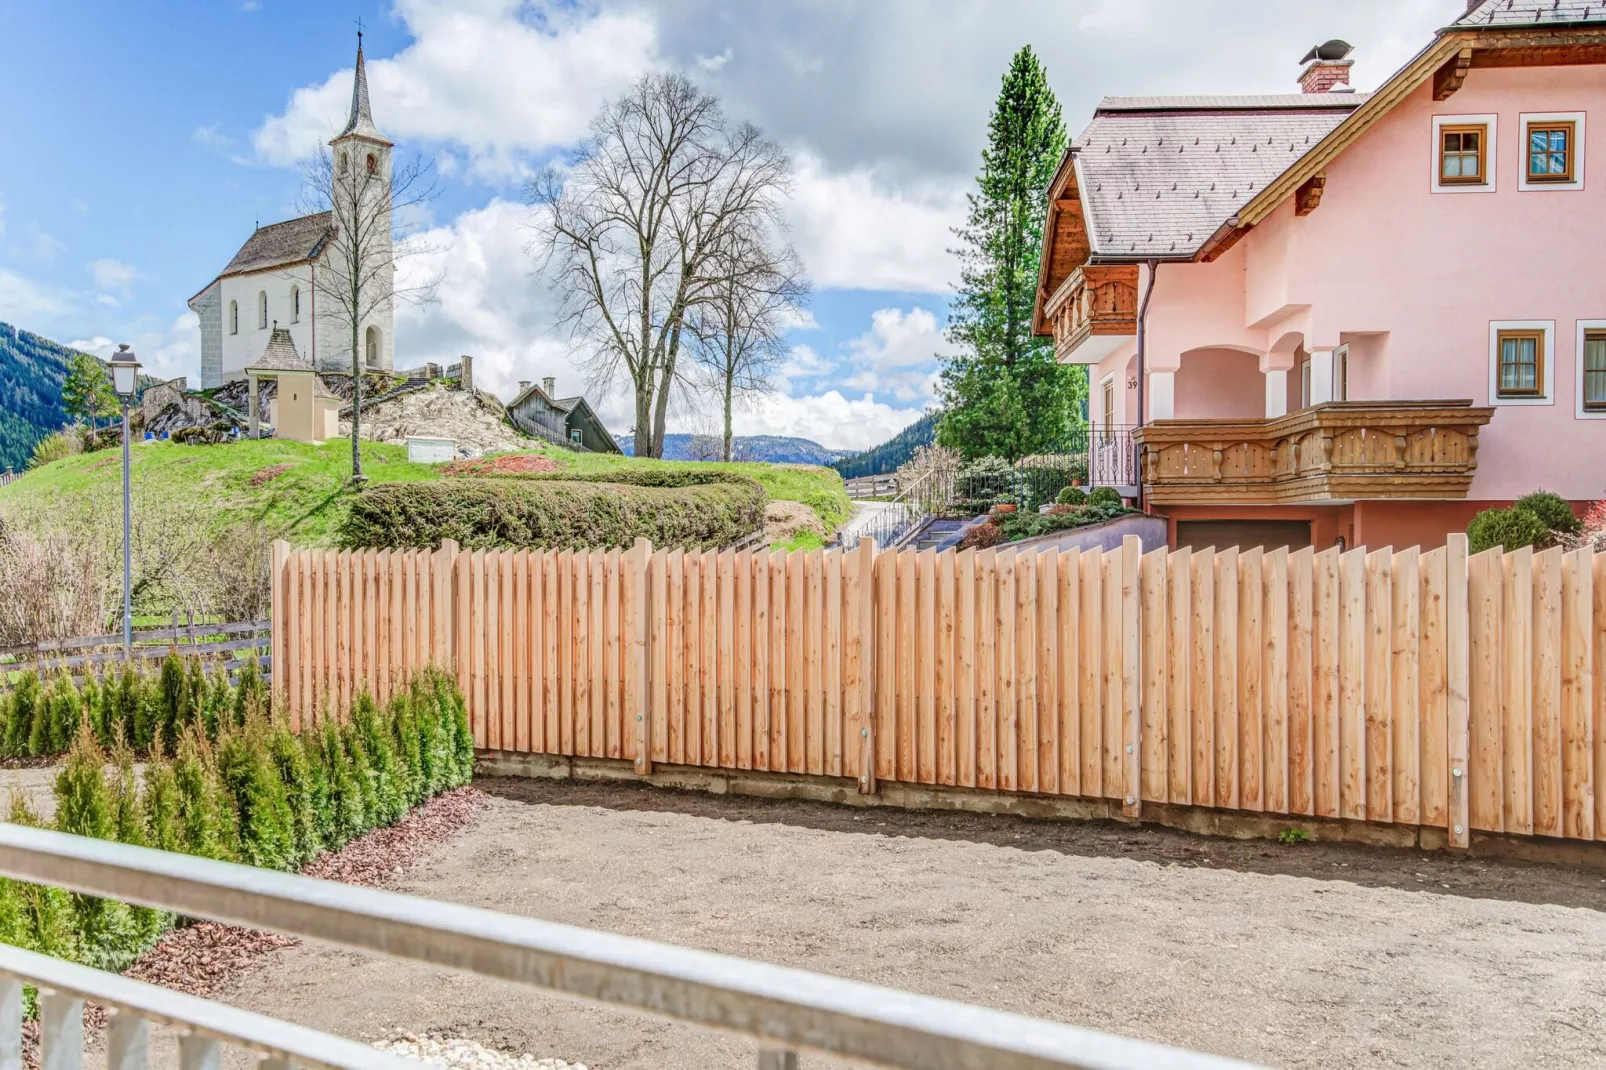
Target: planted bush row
<point x="672" y="508"/>
<point x="255" y="793"/>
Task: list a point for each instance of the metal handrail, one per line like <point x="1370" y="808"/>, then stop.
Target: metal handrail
<point x="781" y="1008"/>
<point x="64" y="986"/>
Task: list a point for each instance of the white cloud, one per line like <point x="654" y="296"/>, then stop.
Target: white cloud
<point x="497" y="78"/>
<point x="163" y="354"/>
<point x="828" y="418"/>
<point x="855" y="231"/>
<point x="897" y="355"/>
<point x="112" y="274"/>
<point x="23" y="301"/>
<point x="715" y="64"/>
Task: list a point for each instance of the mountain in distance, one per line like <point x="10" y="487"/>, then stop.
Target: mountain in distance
<point x="32" y="370"/>
<point x="773" y="449"/>
<point x="887" y="457"/>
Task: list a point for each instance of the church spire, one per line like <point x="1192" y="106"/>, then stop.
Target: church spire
<point x="361" y="123"/>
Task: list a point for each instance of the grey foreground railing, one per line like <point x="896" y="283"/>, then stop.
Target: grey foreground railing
<point x="785" y="1010"/>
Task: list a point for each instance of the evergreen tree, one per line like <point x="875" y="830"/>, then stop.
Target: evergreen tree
<point x="1004" y="393"/>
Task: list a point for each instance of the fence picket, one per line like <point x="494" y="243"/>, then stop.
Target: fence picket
<point x="742" y="652"/>
<point x="1047" y="717"/>
<point x="1405" y="717"/>
<point x="1251" y="661"/>
<point x="1577" y="728"/>
<point x="1226" y="655"/>
<point x="1547" y="754"/>
<point x="1517" y="689"/>
<point x="1486" y="764"/>
<point x="1070" y="670"/>
<point x="1155" y="653"/>
<point x="967" y="640"/>
<point x="726" y="733"/>
<point x="987" y="570"/>
<point x="1433" y="689"/>
<point x="1274" y="681"/>
<point x="1379" y="690"/>
<point x="1202" y="679"/>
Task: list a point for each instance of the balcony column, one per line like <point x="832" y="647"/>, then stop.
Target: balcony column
<point x="1275" y="367"/>
<point x="1162" y="394"/>
<point x="1321" y="375"/>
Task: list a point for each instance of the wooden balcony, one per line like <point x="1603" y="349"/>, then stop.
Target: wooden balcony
<point x="1340" y="451"/>
<point x="1095" y="300"/>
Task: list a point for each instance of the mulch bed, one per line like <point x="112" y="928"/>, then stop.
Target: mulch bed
<point x="507" y="464"/>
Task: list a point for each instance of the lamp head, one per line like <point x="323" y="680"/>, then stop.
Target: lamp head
<point x="125" y="371"/>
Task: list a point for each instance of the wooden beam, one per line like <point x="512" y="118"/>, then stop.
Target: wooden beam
<point x="1216" y="248"/>
<point x="1448" y="78"/>
<point x="1309" y="196"/>
<point x="1545" y="56"/>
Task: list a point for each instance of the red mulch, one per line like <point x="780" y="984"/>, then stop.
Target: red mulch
<point x="507" y="464"/>
<point x="268" y="474"/>
<point x="200" y="959"/>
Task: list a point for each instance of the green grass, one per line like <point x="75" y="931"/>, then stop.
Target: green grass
<point x="803" y="540"/>
<point x="306" y="502"/>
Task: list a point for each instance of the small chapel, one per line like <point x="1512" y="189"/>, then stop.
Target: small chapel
<point x="288" y="275"/>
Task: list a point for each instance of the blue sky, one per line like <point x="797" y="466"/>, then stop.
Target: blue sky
<point x="143" y="141"/>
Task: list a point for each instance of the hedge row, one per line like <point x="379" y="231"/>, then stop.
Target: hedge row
<point x="670" y="507"/>
<point x="39" y="719"/>
<point x="258" y="794"/>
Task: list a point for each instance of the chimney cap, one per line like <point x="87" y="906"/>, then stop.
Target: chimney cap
<point x="1329" y="50"/>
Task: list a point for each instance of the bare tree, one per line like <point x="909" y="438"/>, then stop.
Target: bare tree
<point x="638" y="230"/>
<point x="739" y="330"/>
<point x="373" y="210"/>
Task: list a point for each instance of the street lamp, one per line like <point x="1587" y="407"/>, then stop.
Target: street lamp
<point x="125" y="377"/>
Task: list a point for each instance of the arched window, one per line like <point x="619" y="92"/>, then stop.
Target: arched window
<point x="342" y="163"/>
<point x="373" y="347"/>
<point x="234" y="317"/>
<point x="262" y="310"/>
<point x="295" y="304"/>
<point x="373" y="163"/>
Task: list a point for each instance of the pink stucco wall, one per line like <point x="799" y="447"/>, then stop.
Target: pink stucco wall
<point x="1412" y="279"/>
<point x="1215" y="384"/>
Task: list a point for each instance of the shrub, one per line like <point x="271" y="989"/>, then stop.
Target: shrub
<point x="24" y="700"/>
<point x="981" y="537"/>
<point x="1106" y="496"/>
<point x="985" y="477"/>
<point x="1072" y="496"/>
<point x="1511" y="528"/>
<point x="265" y="821"/>
<point x="1553" y="510"/>
<point x="56" y="446"/>
<point x="715" y="510"/>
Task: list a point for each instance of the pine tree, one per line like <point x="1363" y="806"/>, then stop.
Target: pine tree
<point x="86" y="393"/>
<point x="1004" y="393"/>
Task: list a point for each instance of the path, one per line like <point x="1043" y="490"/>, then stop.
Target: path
<point x="1308" y="955"/>
<point x="866" y="515"/>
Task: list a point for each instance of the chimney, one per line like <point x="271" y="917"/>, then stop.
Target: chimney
<point x="1326" y="67"/>
<point x="550" y="385"/>
<point x="524" y="384"/>
<point x="468" y="374"/>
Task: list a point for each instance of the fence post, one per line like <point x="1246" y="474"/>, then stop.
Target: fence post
<point x="867" y="664"/>
<point x="1131" y="681"/>
<point x="1458" y="659"/>
<point x="443" y="644"/>
<point x="277" y="622"/>
<point x="638" y="682"/>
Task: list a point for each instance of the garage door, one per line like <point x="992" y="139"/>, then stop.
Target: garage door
<point x="1244" y="534"/>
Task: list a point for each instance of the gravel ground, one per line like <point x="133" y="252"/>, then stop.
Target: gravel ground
<point x="455" y="1053"/>
<point x="1308" y="955"/>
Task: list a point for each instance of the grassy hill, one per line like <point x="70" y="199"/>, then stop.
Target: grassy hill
<point x="32" y="370"/>
<point x="298" y="491"/>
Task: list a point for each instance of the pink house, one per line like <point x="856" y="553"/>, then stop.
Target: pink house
<point x="1344" y="316"/>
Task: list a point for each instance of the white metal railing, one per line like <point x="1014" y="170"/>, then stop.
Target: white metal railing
<point x="785" y="1010"/>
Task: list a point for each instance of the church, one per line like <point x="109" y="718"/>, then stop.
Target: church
<point x="292" y="274"/>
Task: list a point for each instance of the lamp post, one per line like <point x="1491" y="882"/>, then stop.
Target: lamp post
<point x="125" y="377"/>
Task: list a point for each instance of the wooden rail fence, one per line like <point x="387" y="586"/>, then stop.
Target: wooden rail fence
<point x="227" y="644"/>
<point x="1390" y="687"/>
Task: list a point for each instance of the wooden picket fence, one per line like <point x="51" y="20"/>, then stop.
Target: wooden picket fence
<point x="1390" y="687"/>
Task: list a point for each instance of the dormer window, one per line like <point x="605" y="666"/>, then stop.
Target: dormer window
<point x="1462" y="159"/>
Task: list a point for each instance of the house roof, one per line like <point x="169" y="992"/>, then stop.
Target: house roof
<point x="1158" y="175"/>
<point x="280" y="356"/>
<point x="1533" y="12"/>
<point x="278" y="245"/>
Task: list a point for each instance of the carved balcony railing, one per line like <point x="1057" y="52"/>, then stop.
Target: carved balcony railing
<point x="1339" y="451"/>
<point x="1095" y="299"/>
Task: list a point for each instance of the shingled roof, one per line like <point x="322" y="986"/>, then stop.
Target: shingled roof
<point x="282" y="244"/>
<point x="1533" y="13"/>
<point x="280" y="356"/>
<point x="1159" y="175"/>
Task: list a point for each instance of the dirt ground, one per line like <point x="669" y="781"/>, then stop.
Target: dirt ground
<point x="1305" y="955"/>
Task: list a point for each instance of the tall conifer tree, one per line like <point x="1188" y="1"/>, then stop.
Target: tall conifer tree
<point x="1004" y="392"/>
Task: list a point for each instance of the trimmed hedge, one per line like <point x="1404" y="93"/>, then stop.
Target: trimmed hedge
<point x="670" y="507"/>
<point x="258" y="794"/>
<point x="1541" y="519"/>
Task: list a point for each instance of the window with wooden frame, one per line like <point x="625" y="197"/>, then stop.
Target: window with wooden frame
<point x="1594" y="358"/>
<point x="1522" y="364"/>
<point x="1551" y="151"/>
<point x="1109" y="405"/>
<point x="1463" y="154"/>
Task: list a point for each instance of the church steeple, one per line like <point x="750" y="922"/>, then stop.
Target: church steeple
<point x="361" y="123"/>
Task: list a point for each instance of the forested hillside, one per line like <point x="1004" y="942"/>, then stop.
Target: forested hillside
<point x="774" y="449"/>
<point x="31" y="373"/>
<point x="879" y="460"/>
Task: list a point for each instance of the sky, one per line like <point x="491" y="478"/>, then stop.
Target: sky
<point x="143" y="142"/>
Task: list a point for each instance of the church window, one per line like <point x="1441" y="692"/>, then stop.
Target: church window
<point x="373" y="163"/>
<point x="342" y="163"/>
<point x="295" y="304"/>
<point x="262" y="310"/>
<point x="234" y="317"/>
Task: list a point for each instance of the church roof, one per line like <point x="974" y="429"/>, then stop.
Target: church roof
<point x="282" y="244"/>
<point x="280" y="356"/>
<point x="361" y="123"/>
